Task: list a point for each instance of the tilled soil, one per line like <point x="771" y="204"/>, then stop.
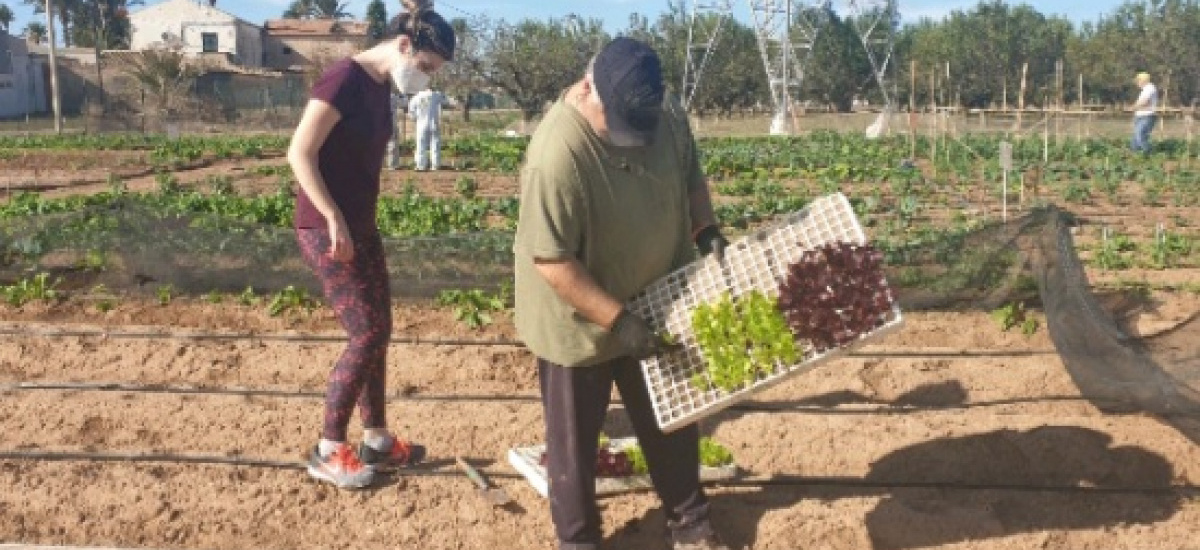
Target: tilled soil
<point x="947" y="434"/>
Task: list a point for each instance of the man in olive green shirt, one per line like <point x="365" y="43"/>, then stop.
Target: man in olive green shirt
<point x="612" y="198"/>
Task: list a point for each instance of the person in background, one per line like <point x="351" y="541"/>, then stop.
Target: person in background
<point x="612" y="198"/>
<point x="337" y="155"/>
<point x="425" y="109"/>
<point x="1145" y="114"/>
<point x="399" y="103"/>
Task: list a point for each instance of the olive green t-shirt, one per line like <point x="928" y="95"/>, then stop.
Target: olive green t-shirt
<point x="621" y="211"/>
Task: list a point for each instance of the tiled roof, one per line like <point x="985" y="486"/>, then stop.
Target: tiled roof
<point x="315" y="27"/>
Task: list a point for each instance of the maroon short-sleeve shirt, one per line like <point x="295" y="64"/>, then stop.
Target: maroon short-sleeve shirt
<point x="351" y="158"/>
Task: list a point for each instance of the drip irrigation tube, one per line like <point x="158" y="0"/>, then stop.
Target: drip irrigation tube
<point x="235" y="391"/>
<point x="233" y="336"/>
<point x="918" y="353"/>
<point x="446" y="469"/>
<point x="874" y="406"/>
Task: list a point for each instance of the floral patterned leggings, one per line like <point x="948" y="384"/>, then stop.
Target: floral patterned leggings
<point x="360" y="295"/>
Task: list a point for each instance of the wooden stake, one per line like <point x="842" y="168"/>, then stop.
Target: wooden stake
<point x="1021" y="97"/>
<point x="1058" y="82"/>
<point x="933" y="109"/>
<point x="1162" y="105"/>
<point x="1004" y="97"/>
<point x="912" y="110"/>
<point x="1045" y="132"/>
<point x="1080" y="98"/>
<point x="912" y="87"/>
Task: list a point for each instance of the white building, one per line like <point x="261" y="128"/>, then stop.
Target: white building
<point x="22" y="79"/>
<point x="199" y="29"/>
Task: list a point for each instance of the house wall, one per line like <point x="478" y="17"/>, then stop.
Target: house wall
<point x="250" y="45"/>
<point x="286" y="52"/>
<point x="183" y="22"/>
<point x="22" y="79"/>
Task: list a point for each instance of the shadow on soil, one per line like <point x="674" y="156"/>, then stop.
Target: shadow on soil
<point x="943" y="491"/>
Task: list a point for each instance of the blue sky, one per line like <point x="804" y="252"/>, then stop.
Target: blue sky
<point x="614" y="13"/>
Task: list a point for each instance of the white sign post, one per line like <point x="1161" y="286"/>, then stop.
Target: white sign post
<point x="1005" y="167"/>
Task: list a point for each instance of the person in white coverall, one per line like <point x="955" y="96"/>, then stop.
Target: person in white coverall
<point x="425" y="109"/>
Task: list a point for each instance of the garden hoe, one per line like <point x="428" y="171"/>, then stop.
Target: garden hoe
<point x="494" y="495"/>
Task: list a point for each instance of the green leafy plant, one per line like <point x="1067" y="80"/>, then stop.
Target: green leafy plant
<point x="741" y="340"/>
<point x="473" y="307"/>
<point x="165" y="294"/>
<point x="214" y="297"/>
<point x="168" y="184"/>
<point x="92" y="260"/>
<point x="1014" y="314"/>
<point x="1029" y="326"/>
<point x="220" y="184"/>
<point x="105" y="300"/>
<point x="1009" y="315"/>
<point x="247" y="297"/>
<point x="1110" y="254"/>
<point x="1077" y="192"/>
<point x="712" y="455"/>
<point x="116" y="185"/>
<point x="1168" y="249"/>
<point x="36" y="288"/>
<point x="466" y="186"/>
<point x="290" y="298"/>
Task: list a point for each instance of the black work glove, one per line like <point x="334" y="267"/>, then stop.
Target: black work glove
<point x="710" y="241"/>
<point x="637" y="339"/>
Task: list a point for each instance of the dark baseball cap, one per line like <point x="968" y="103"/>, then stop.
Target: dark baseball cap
<point x="628" y="77"/>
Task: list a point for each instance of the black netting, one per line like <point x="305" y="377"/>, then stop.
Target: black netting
<point x="133" y="246"/>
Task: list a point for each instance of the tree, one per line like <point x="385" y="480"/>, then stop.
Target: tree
<point x="1157" y="36"/>
<point x="299" y="9"/>
<point x="102" y="24"/>
<point x="65" y="10"/>
<point x="35" y="32"/>
<point x="317" y="9"/>
<point x="163" y="74"/>
<point x="733" y="76"/>
<point x="6" y="17"/>
<point x="986" y="49"/>
<point x="838" y="69"/>
<point x="534" y="61"/>
<point x="377" y="20"/>
<point x="461" y="79"/>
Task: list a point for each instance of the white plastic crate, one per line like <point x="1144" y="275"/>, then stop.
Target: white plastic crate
<point x="755" y="262"/>
<point x="526" y="460"/>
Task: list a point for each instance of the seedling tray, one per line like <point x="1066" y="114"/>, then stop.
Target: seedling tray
<point x="754" y="262"/>
<point x="526" y="460"/>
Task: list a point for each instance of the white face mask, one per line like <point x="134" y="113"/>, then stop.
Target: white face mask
<point x="407" y="77"/>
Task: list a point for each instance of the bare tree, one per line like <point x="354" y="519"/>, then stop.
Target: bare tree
<point x="534" y="61"/>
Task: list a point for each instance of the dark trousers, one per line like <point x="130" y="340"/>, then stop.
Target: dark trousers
<point x="575" y="401"/>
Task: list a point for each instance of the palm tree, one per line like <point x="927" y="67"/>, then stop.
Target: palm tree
<point x="6" y="17"/>
<point x="35" y="32"/>
<point x="317" y="9"/>
<point x="65" y="9"/>
<point x="300" y="9"/>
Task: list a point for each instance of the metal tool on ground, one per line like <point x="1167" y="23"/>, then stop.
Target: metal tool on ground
<point x="494" y="495"/>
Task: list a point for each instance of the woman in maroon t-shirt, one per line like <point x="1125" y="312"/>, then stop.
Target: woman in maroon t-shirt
<point x="337" y="156"/>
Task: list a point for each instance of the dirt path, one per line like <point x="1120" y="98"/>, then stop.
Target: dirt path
<point x="937" y="437"/>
